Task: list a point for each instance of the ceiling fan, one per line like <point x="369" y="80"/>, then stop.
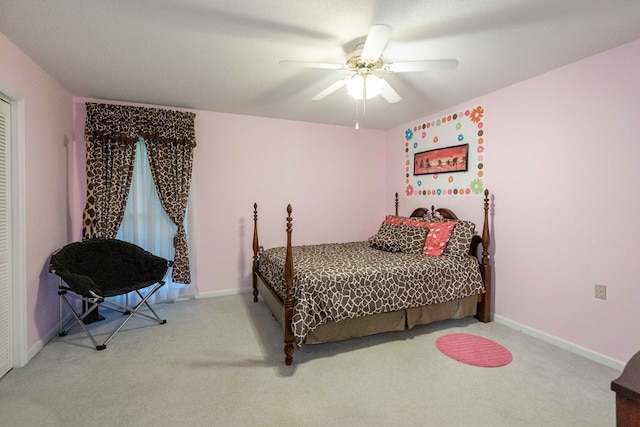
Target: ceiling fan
<point x="366" y="63"/>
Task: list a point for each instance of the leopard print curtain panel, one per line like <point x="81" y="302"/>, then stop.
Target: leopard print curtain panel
<point x="110" y="156"/>
<point x="111" y="132"/>
<point x="171" y="164"/>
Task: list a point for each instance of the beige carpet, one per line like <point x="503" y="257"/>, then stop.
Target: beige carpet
<point x="219" y="362"/>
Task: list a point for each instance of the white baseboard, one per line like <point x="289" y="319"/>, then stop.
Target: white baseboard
<point x="47" y="338"/>
<point x="559" y="342"/>
<point x="214" y="294"/>
<point x="41" y="343"/>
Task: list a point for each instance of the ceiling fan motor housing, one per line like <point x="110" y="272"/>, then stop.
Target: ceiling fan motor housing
<point x="362" y="66"/>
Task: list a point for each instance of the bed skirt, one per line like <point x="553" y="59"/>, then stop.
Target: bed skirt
<point x="376" y="323"/>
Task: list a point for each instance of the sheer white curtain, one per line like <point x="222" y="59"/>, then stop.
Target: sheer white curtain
<point x="147" y="225"/>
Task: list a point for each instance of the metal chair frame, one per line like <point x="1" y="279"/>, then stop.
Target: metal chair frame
<point x="94" y="303"/>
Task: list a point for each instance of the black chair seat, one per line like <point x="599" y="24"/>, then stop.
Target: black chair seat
<point x="107" y="267"/>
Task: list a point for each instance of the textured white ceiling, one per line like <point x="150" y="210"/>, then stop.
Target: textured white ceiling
<point x="223" y="55"/>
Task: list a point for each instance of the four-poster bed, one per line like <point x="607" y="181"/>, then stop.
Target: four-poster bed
<point x="331" y="292"/>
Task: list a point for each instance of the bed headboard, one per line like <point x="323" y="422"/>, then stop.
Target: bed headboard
<point x="446" y="213"/>
<point x="421" y="212"/>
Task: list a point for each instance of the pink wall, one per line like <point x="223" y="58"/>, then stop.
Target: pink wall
<point x="332" y="175"/>
<point x="562" y="164"/>
<point x="48" y="133"/>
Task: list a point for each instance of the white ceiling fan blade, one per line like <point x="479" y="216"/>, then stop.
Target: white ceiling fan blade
<point x="328" y="91"/>
<point x="377" y="40"/>
<point x="305" y="64"/>
<point x="411" y="66"/>
<point x="388" y="93"/>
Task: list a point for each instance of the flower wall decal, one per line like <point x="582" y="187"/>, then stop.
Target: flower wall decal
<point x="477" y="186"/>
<point x="408" y="134"/>
<point x="477" y="114"/>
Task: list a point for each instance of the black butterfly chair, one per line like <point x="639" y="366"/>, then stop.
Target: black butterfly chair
<point x="95" y="269"/>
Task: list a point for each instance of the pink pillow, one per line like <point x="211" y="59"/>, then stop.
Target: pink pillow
<point x="398" y="220"/>
<point x="437" y="238"/>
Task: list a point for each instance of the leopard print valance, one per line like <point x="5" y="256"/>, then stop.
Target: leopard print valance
<point x="125" y="123"/>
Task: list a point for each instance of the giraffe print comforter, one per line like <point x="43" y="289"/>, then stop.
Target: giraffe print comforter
<point x="337" y="281"/>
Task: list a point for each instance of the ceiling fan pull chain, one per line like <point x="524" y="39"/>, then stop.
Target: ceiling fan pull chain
<point x="357" y="123"/>
<point x="364" y="97"/>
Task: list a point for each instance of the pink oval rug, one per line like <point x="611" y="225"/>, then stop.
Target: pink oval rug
<point x="474" y="350"/>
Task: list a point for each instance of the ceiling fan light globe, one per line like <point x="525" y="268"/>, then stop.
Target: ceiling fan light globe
<point x="356" y="85"/>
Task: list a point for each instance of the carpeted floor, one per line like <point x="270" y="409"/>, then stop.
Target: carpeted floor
<point x="219" y="362"/>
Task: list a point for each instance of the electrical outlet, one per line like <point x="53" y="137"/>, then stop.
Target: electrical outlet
<point x="601" y="291"/>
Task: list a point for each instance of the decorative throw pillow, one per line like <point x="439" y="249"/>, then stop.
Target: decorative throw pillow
<point x="411" y="238"/>
<point x="394" y="220"/>
<point x="397" y="220"/>
<point x="460" y="239"/>
<point x="386" y="239"/>
<point x="437" y="238"/>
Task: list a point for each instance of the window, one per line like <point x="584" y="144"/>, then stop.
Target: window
<point x="146" y="224"/>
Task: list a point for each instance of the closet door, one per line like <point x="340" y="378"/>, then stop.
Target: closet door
<point x="6" y="341"/>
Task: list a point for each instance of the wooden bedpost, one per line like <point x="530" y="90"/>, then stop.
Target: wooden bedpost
<point x="484" y="306"/>
<point x="396" y="204"/>
<point x="256" y="249"/>
<point x="289" y="296"/>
